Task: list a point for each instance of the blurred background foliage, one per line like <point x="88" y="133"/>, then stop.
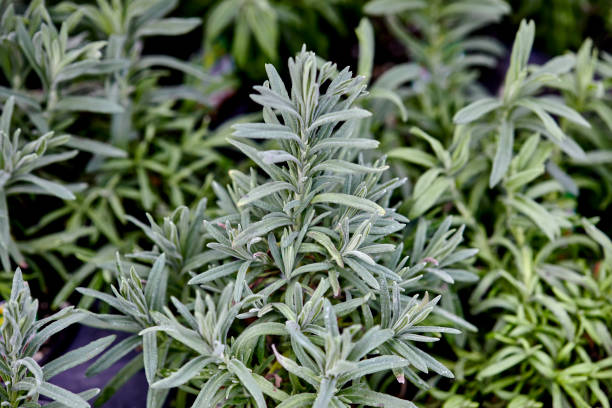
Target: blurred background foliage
<point x="124" y="107"/>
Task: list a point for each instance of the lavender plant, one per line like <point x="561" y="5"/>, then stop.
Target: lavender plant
<point x="304" y="254"/>
<point x="539" y="277"/>
<point x="19" y="163"/>
<point x="25" y="384"/>
<point x="71" y="64"/>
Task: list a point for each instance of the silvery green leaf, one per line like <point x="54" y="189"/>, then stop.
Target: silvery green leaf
<point x="246" y="378"/>
<point x="326" y="391"/>
<point x="87" y="104"/>
<point x="7" y="114"/>
<point x="428" y="195"/>
<point x="29" y="50"/>
<point x="521" y="178"/>
<point x="188" y="337"/>
<point x="370" y="341"/>
<point x="557" y="107"/>
<point x="461" y="152"/>
<point x="376" y="364"/>
<point x="298" y="401"/>
<point x="570" y="147"/>
<point x="601" y="238"/>
<point x="398" y="75"/>
<point x="558" y="65"/>
<point x="241" y="281"/>
<point x="113" y="322"/>
<point x="54" y="327"/>
<point x="113" y="355"/>
<point x="47" y="159"/>
<point x="272" y="170"/>
<point x="157" y="282"/>
<point x="363" y="273"/>
<point x="260" y="228"/>
<point x="549" y="123"/>
<point x="562" y="177"/>
<point x="560" y="313"/>
<point x="86" y="395"/>
<point x="156" y="398"/>
<point x="595" y="157"/>
<point x="503" y="152"/>
<point x="263" y="22"/>
<point x="76" y="357"/>
<point x="453" y="318"/>
<point x="32" y="366"/>
<point x="521" y="49"/>
<point x="301" y="339"/>
<point x="184" y="374"/>
<point x="497" y="367"/>
<point x="338" y="116"/>
<point x="476" y="109"/>
<point x="603" y="111"/>
<point x="49" y="187"/>
<point x="390" y="7"/>
<point x="175" y="63"/>
<point x="432" y="363"/>
<point x="494" y="8"/>
<point x="413" y="155"/>
<point x="93" y="146"/>
<point x="537" y="214"/>
<point x="210" y="389"/>
<point x="168" y="26"/>
<point x="149" y="355"/>
<point x="603" y="332"/>
<point x="435" y="144"/>
<point x="265" y="131"/>
<point x="89" y="67"/>
<point x="120" y="304"/>
<point x="348" y="142"/>
<point x="62" y="396"/>
<point x="391" y="96"/>
<point x="349" y="201"/>
<point x="245" y="341"/>
<point x="344" y="167"/>
<point x="273" y="100"/>
<point x="264" y="190"/>
<point x="220" y="17"/>
<point x="365" y="35"/>
<point x="21" y="97"/>
<point x="216" y="273"/>
<point x="304" y="373"/>
<point x="362" y="395"/>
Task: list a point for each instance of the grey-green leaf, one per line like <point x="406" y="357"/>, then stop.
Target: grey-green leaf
<point x="503" y="153"/>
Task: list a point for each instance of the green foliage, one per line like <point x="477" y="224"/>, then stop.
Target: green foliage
<point x="445" y="54"/>
<point x="518" y="160"/>
<point x="519" y="107"/>
<point x="24" y="381"/>
<point x="317" y="214"/>
<point x="269" y="26"/>
<point x="18" y="161"/>
<point x="294" y="277"/>
<point x="144" y="146"/>
<point x="564" y="24"/>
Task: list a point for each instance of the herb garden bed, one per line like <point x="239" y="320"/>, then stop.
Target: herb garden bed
<point x="214" y="212"/>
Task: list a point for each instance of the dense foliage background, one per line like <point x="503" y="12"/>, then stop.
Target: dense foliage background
<point x="425" y="227"/>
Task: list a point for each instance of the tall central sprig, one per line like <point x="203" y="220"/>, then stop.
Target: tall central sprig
<point x="320" y="220"/>
<point x="321" y="203"/>
<point x="308" y="120"/>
